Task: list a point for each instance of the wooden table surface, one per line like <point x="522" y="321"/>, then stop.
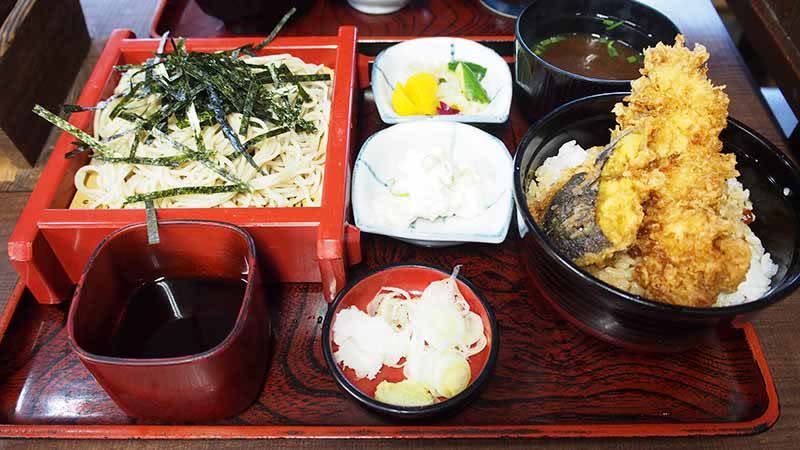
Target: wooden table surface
<point x="698" y="21"/>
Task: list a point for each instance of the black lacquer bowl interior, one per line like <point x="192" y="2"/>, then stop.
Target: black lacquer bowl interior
<point x="633" y="321"/>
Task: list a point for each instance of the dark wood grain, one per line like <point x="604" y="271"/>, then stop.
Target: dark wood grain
<point x="12" y="204"/>
<point x="776" y="326"/>
<point x="773" y="29"/>
<point x="35" y="31"/>
<point x="570" y="377"/>
<point x="419" y="18"/>
<point x="102" y="16"/>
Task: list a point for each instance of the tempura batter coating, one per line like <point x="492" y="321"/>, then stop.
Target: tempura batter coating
<point x="673" y="168"/>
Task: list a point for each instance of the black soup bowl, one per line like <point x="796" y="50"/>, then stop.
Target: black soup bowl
<point x="629" y="320"/>
<point x="547" y="86"/>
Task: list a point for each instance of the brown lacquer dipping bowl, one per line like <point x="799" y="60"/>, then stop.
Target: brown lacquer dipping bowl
<point x="546" y="86"/>
<point x="411" y="277"/>
<point x="629" y="320"/>
<point x="205" y="386"/>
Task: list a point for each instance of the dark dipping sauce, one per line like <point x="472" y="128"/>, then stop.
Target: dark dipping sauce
<point x="178" y="317"/>
<point x="591" y="55"/>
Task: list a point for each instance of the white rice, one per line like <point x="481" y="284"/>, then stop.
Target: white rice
<point x="759" y="275"/>
<point x="569" y="156"/>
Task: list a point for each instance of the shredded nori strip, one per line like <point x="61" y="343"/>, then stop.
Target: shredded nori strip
<point x="152" y="223"/>
<point x="271" y="133"/>
<point x="250" y="49"/>
<point x="203" y="157"/>
<point x="258" y="138"/>
<point x="69" y="109"/>
<point x="215" y="104"/>
<point x="187" y="190"/>
<point x="79" y="148"/>
<point x="72" y="129"/>
<point x="125" y="100"/>
<point x="301" y="92"/>
<point x="213" y="81"/>
<point x="167" y="161"/>
<point x="266" y="77"/>
<point x="248" y="108"/>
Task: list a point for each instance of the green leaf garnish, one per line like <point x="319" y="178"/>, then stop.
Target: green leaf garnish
<point x="477" y="69"/>
<point x="470" y="86"/>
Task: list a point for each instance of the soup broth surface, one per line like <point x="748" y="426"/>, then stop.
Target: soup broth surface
<point x="591" y="55"/>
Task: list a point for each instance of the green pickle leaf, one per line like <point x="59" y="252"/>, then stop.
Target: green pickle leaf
<point x="478" y="69"/>
<point x="470" y="85"/>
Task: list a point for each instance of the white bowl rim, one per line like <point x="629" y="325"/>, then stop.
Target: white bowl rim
<point x="489" y="238"/>
<point x="390" y="117"/>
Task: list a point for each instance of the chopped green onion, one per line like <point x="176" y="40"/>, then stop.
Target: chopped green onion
<point x="633" y="59"/>
<point x="611" y="24"/>
<point x="612" y="52"/>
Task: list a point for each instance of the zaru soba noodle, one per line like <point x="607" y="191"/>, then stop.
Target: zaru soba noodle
<point x="200" y="130"/>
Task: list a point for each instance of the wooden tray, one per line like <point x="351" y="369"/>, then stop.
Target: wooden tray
<point x="427" y="18"/>
<point x="551" y="380"/>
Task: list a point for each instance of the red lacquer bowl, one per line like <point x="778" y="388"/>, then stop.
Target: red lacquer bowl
<point x="409" y="277"/>
<point x="210" y="385"/>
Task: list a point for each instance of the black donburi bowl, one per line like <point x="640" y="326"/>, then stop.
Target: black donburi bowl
<point x="629" y="320"/>
<point x="547" y="86"/>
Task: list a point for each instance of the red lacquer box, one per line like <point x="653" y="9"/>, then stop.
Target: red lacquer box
<point x="51" y="243"/>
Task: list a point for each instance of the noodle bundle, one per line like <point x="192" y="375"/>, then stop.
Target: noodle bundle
<point x="291" y="162"/>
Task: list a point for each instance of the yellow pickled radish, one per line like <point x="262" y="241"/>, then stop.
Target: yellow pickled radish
<point x="423" y="88"/>
<point x="418" y="96"/>
<point x="401" y="103"/>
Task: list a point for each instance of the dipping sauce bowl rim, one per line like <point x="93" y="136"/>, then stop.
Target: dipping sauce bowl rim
<point x="238" y="325"/>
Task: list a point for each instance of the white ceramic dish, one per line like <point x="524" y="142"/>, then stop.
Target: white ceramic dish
<point x="381" y="153"/>
<point x="398" y="62"/>
<point x="378" y="6"/>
